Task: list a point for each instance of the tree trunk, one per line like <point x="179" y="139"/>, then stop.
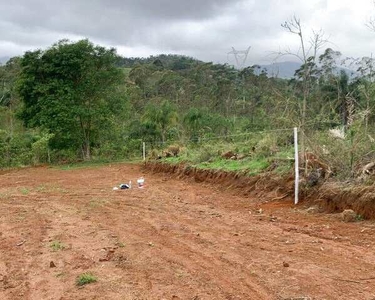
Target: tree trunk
<point x="87" y="150"/>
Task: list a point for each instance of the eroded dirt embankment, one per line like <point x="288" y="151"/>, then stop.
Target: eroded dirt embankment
<point x="331" y="197"/>
<point x="238" y="181"/>
<point x="335" y="197"/>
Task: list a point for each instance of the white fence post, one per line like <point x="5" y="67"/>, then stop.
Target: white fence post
<point x="144" y="151"/>
<point x="296" y="162"/>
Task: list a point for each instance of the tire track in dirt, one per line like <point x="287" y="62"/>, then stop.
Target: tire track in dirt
<point x="21" y="229"/>
<point x="192" y="254"/>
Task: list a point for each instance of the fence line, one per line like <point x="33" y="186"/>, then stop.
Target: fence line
<point x="228" y="136"/>
<point x="307" y="125"/>
<point x="295" y="132"/>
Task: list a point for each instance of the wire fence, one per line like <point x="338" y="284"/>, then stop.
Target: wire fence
<point x="342" y="153"/>
<point x="275" y="143"/>
<point x="225" y="137"/>
<point x="335" y="151"/>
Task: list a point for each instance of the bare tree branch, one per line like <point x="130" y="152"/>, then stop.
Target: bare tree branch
<point x="371" y="22"/>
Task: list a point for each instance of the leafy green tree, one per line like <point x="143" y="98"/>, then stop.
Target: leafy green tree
<point x="8" y="95"/>
<point x="170" y="85"/>
<point x="67" y="90"/>
<point x="193" y="121"/>
<point x="146" y="131"/>
<point x="163" y="115"/>
<point x="40" y="148"/>
<point x="141" y="75"/>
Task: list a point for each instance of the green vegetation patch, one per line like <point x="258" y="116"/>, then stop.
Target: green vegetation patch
<point x="25" y="191"/>
<point x="253" y="166"/>
<point x="57" y="246"/>
<point x="86" y="278"/>
<point x="249" y="161"/>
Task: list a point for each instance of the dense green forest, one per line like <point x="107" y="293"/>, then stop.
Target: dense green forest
<point x="79" y="101"/>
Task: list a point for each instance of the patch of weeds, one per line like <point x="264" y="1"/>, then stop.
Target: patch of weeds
<point x="4" y="195"/>
<point x="359" y="218"/>
<point x="120" y="244"/>
<point x="56" y="246"/>
<point x="41" y="188"/>
<point x="253" y="166"/>
<point x="94" y="203"/>
<point x="50" y="188"/>
<point x="283" y="169"/>
<point x="254" y="161"/>
<point x="25" y="191"/>
<point x="56" y="189"/>
<point x="86" y="278"/>
<point x="286" y="153"/>
<point x="257" y="165"/>
<point x="60" y="275"/>
<point x="174" y="159"/>
<point x="61" y="190"/>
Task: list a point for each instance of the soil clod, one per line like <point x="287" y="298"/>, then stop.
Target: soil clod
<point x="349" y="215"/>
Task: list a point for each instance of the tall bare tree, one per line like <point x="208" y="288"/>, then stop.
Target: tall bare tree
<point x="307" y="54"/>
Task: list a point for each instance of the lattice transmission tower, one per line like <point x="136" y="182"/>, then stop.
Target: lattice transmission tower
<point x="240" y="56"/>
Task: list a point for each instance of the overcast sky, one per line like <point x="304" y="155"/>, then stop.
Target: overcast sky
<point x="205" y="29"/>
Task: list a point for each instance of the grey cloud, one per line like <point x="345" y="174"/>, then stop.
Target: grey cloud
<point x="204" y="29"/>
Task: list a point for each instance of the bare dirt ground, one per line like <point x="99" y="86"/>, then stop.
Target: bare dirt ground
<point x="174" y="239"/>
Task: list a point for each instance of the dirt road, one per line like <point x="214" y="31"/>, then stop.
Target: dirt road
<point x="174" y="239"/>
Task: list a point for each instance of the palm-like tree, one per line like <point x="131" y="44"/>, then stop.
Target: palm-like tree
<point x="163" y="116"/>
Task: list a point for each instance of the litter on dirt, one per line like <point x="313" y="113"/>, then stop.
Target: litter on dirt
<point x="141" y="182"/>
<point x="123" y="186"/>
<point x="21" y="243"/>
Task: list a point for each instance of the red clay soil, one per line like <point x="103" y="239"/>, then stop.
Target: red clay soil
<point x="331" y="196"/>
<point x="243" y="184"/>
<point x="174" y="239"/>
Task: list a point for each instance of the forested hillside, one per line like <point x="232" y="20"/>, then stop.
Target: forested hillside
<point x="76" y="100"/>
